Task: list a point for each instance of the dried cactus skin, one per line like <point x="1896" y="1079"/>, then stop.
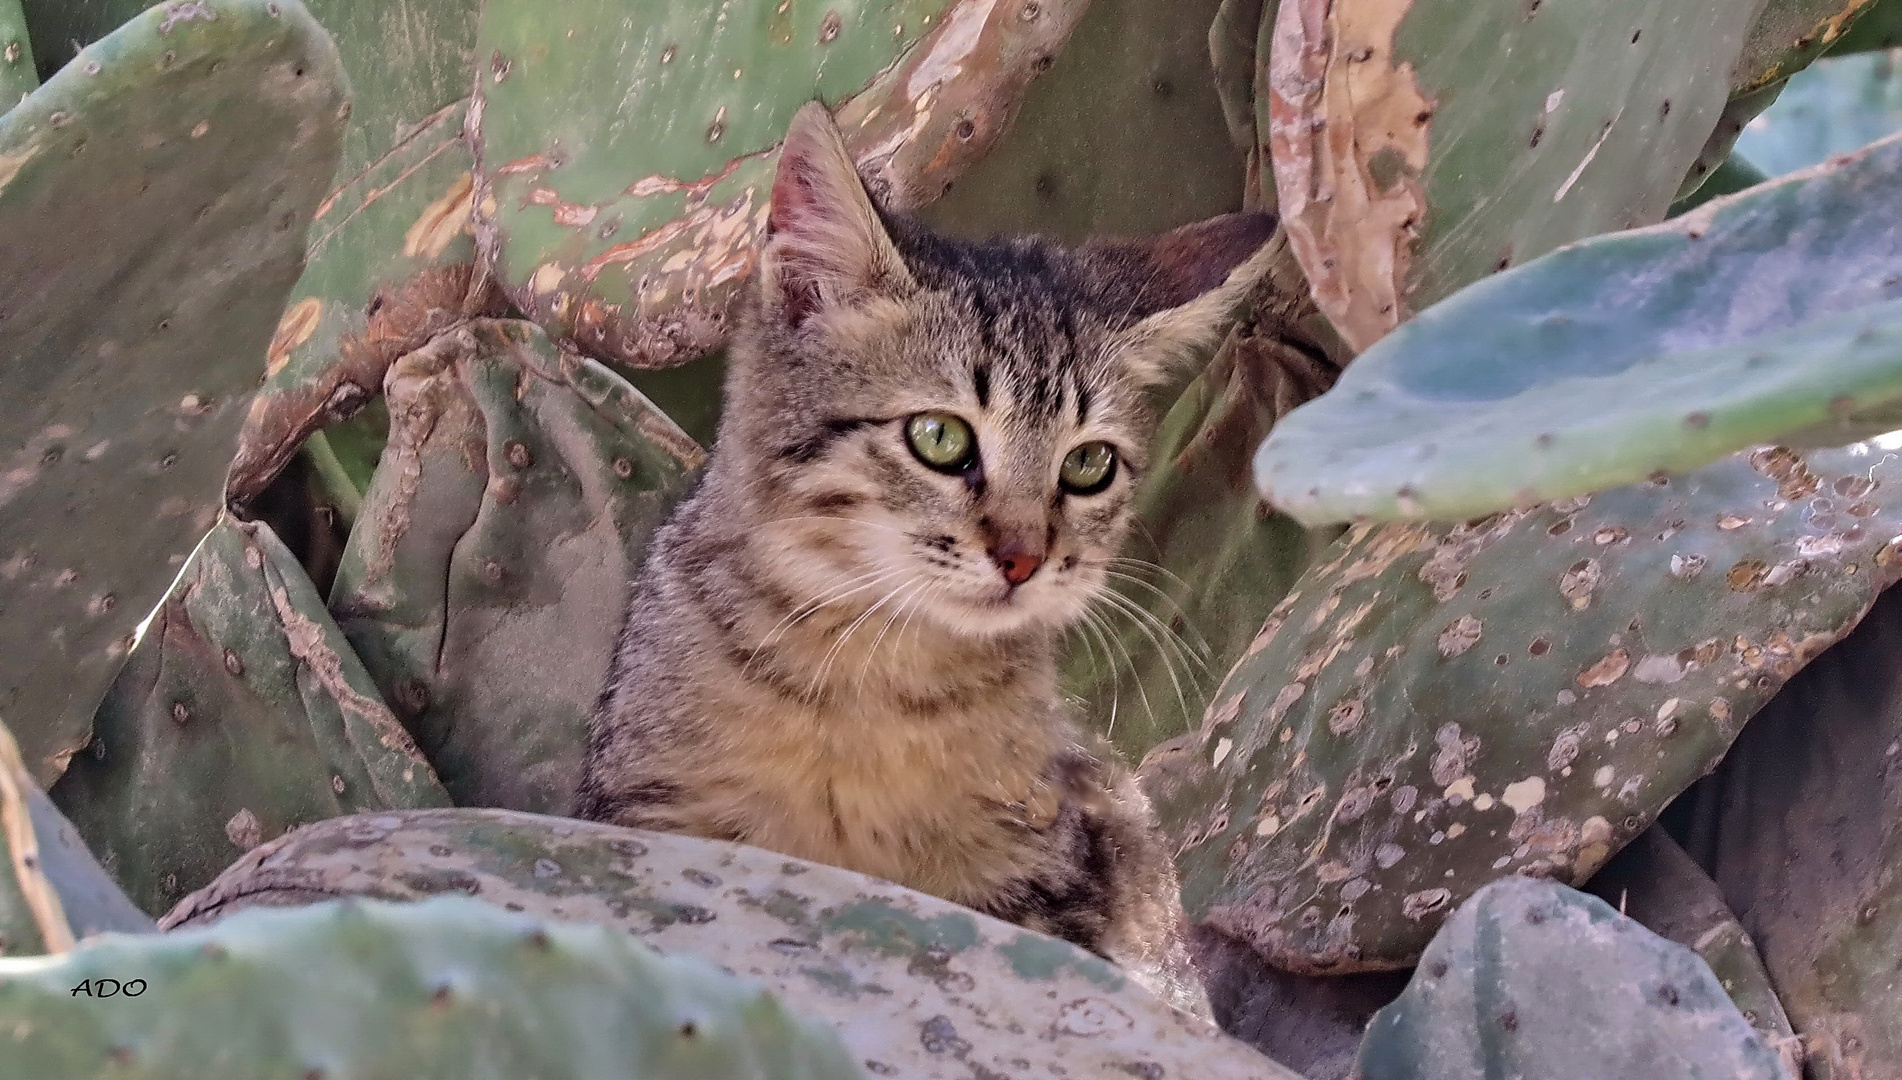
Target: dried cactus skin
<point x="451" y="987"/>
<point x="1789" y="35"/>
<point x="1801" y="827"/>
<point x="1404" y="173"/>
<point x="916" y="986"/>
<point x="391" y="250"/>
<point x="1620" y="357"/>
<point x="1662" y="888"/>
<point x="1435" y="706"/>
<point x="1063" y="172"/>
<point x="32" y="919"/>
<point x="131" y="399"/>
<point x="17" y="75"/>
<point x="1533" y="979"/>
<point x="242" y="712"/>
<point x="52" y="891"/>
<point x="1879" y="27"/>
<point x="511" y="508"/>
<point x="627" y="231"/>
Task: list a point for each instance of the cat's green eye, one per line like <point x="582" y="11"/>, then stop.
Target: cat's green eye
<point x="1088" y="469"/>
<point x="941" y="441"/>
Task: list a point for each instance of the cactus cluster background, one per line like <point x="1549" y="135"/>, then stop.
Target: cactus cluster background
<point x="1516" y="676"/>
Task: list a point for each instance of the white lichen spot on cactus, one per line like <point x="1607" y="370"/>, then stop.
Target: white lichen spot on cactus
<point x="1459" y="636"/>
<point x="1459" y="791"/>
<point x="1268" y="826"/>
<point x="1524" y="794"/>
<point x="1603" y="777"/>
<point x="1221" y="751"/>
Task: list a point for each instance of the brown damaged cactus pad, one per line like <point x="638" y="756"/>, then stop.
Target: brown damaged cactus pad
<point x="1419" y="145"/>
<point x="1433" y="707"/>
<point x="391" y="249"/>
<point x="623" y="165"/>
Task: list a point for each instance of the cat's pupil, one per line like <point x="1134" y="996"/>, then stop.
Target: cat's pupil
<point x="1088" y="468"/>
<point x="942" y="441"/>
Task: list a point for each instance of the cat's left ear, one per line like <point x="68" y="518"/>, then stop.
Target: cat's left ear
<point x="1203" y="272"/>
<point x="826" y="245"/>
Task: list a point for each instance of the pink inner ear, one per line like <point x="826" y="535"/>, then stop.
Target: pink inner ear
<point x="794" y="225"/>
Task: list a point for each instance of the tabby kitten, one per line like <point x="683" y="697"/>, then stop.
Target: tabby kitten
<point x="843" y="646"/>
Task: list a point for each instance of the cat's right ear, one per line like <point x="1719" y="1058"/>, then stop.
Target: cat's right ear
<point x="825" y="243"/>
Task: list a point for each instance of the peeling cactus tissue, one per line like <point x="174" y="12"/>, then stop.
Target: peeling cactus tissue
<point x="946" y="539"/>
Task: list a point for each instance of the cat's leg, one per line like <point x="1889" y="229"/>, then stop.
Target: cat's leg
<point x="1148" y="935"/>
<point x="1100" y="876"/>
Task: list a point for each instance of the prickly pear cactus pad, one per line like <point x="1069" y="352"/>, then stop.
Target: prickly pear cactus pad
<point x="17" y="77"/>
<point x="1773" y="314"/>
<point x="1835" y="107"/>
<point x="241" y="713"/>
<point x="624" y="161"/>
<point x="391" y="245"/>
<point x="1665" y="891"/>
<point x="1063" y="171"/>
<point x="154" y="195"/>
<point x="1532" y="979"/>
<point x="1433" y="707"/>
<point x="1788" y="35"/>
<point x="1407" y="167"/>
<point x="1801" y="827"/>
<point x="450" y="988"/>
<point x="916" y="987"/>
<point x="510" y="510"/>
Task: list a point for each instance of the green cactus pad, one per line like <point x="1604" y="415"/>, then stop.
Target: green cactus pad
<point x="1655" y="882"/>
<point x="1406" y="168"/>
<point x="1432" y="707"/>
<point x="917" y="987"/>
<point x="1801" y="826"/>
<point x="1532" y="979"/>
<point x="241" y="713"/>
<point x="510" y="509"/>
<point x="1835" y="107"/>
<point x="1063" y="171"/>
<point x="378" y="282"/>
<point x="1621" y="357"/>
<point x="17" y="76"/>
<point x="154" y="195"/>
<point x="449" y="988"/>
<point x="624" y="164"/>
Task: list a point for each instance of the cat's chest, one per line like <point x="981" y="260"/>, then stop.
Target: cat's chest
<point x="944" y="802"/>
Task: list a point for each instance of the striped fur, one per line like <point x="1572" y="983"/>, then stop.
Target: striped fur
<point x="821" y="656"/>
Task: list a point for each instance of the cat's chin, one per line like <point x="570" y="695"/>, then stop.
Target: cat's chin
<point x="988" y="618"/>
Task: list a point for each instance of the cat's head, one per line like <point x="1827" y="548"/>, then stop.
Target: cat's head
<point x="954" y="430"/>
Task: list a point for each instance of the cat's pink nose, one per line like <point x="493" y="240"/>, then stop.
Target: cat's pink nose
<point x="1016" y="561"/>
